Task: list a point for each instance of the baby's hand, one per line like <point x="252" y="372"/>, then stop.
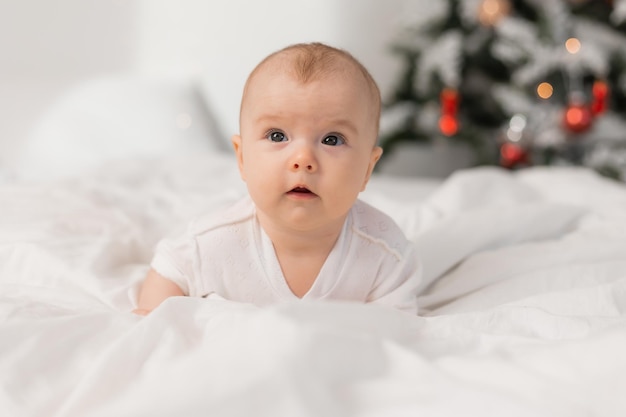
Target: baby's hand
<point x="141" y="311"/>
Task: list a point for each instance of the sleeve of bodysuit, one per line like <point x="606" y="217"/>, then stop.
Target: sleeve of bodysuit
<point x="174" y="259"/>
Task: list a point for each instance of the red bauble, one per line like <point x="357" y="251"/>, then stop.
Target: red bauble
<point x="448" y="125"/>
<point x="449" y="98"/>
<point x="448" y="122"/>
<point x="577" y="117"/>
<point x="600" y="93"/>
<point x="513" y="155"/>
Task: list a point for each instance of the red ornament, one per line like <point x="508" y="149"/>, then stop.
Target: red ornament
<point x="513" y="155"/>
<point x="449" y="101"/>
<point x="600" y="93"/>
<point x="577" y="117"/>
<point x="448" y="123"/>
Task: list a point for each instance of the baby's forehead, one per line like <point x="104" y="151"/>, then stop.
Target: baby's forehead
<point x="278" y="85"/>
<point x="285" y="67"/>
<point x="305" y="67"/>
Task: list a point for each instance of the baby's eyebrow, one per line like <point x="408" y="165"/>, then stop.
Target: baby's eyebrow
<point x="341" y="125"/>
<point x="269" y="119"/>
<point x="344" y="124"/>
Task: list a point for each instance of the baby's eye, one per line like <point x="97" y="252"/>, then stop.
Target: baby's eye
<point x="276" y="136"/>
<point x="333" y="140"/>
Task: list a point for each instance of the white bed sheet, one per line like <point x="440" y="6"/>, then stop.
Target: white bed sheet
<point x="522" y="307"/>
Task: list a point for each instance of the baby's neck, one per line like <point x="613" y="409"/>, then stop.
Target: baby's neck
<point x="301" y="254"/>
<point x="299" y="242"/>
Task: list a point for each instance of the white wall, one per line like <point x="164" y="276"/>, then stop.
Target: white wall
<point x="222" y="44"/>
<point x="48" y="45"/>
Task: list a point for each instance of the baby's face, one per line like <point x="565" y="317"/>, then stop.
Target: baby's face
<point x="306" y="150"/>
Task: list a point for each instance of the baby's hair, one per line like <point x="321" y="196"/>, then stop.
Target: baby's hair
<point x="312" y="61"/>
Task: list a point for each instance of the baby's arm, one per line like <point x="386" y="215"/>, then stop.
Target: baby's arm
<point x="154" y="290"/>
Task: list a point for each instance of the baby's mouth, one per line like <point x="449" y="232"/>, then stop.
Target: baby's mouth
<point x="301" y="191"/>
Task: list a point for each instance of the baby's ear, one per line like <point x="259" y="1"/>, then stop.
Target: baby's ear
<point x="237" y="146"/>
<point x="374" y="157"/>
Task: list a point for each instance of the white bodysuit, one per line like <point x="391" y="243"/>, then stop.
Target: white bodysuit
<point x="228" y="254"/>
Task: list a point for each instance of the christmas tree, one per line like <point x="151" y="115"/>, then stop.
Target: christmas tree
<point x="523" y="82"/>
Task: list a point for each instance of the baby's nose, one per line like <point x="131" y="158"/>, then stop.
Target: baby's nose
<point x="308" y="167"/>
<point x="304" y="159"/>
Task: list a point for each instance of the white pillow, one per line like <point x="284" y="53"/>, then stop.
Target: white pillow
<point x="117" y="118"/>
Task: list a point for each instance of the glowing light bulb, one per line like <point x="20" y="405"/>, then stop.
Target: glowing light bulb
<point x="491" y="11"/>
<point x="517" y="123"/>
<point x="573" y="46"/>
<point x="545" y="90"/>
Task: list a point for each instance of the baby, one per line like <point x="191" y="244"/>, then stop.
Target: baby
<point x="306" y="149"/>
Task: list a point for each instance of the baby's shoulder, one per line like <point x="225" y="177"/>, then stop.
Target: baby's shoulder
<point x="222" y="218"/>
<point x="377" y="227"/>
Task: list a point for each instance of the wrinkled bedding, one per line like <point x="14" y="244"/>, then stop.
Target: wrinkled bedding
<point x="523" y="304"/>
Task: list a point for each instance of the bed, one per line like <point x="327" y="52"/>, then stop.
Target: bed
<point x="522" y="306"/>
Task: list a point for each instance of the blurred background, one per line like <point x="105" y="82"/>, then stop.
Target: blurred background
<point x="48" y="47"/>
<point x="513" y="83"/>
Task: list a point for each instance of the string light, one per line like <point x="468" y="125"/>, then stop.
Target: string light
<point x="517" y="124"/>
<point x="545" y="90"/>
<point x="491" y="11"/>
<point x="573" y="45"/>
